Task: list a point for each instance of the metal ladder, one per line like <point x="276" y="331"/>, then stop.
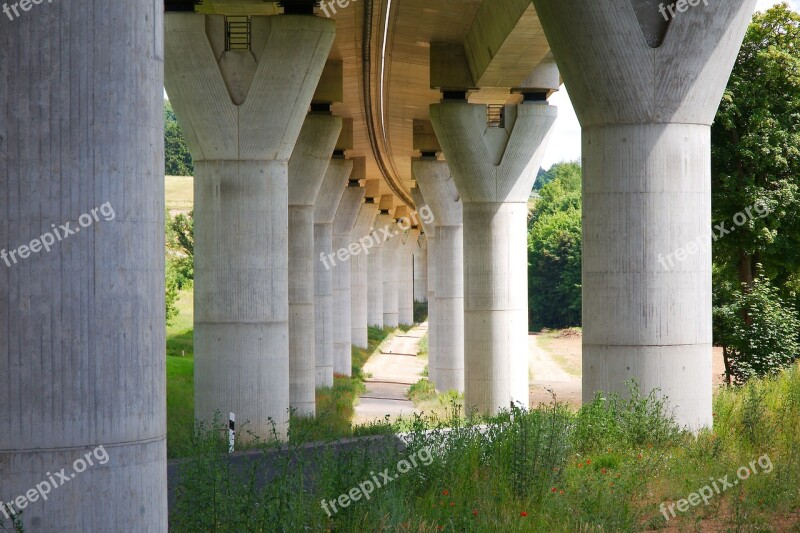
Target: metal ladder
<point x="237" y="33"/>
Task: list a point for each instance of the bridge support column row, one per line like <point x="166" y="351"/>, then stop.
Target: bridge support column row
<point x="437" y="186"/>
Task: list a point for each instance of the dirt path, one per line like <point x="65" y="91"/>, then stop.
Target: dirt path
<point x="546" y="373"/>
<point x="392" y="372"/>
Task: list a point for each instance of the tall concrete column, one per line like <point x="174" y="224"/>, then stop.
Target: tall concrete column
<point x="438" y="187"/>
<point x="330" y="194"/>
<point x="82" y="315"/>
<point x="376" y="265"/>
<point x="421" y="271"/>
<point x="494" y="169"/>
<point x="409" y="233"/>
<point x="241" y="114"/>
<point x="645" y="107"/>
<point x="430" y="238"/>
<point x="343" y="223"/>
<point x="307" y="168"/>
<point x="391" y="275"/>
<point x="359" y="270"/>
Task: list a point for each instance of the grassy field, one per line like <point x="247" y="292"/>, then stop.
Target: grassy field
<point x="179" y="192"/>
<point x="615" y="465"/>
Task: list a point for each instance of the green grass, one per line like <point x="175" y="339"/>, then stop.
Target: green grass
<point x="180" y="378"/>
<point x="607" y="467"/>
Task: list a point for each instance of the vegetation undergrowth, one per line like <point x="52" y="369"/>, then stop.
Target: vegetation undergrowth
<point x="607" y="467"/>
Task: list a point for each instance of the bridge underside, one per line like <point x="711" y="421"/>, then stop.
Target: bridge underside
<point x="350" y="158"/>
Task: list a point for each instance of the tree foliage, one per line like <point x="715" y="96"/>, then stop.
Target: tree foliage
<point x="768" y="341"/>
<point x="177" y="159"/>
<point x="554" y="251"/>
<point x="756" y="161"/>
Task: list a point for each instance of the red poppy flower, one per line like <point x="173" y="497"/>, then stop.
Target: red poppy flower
<point x="474" y="512"/>
<point x="603" y="470"/>
<point x="445" y="492"/>
<point x="523" y="513"/>
<point x="553" y="489"/>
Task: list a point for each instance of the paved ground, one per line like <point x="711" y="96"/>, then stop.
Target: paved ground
<point x="392" y="372"/>
<point x="546" y="374"/>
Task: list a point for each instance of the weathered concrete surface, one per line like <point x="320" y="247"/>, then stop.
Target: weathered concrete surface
<point x="307" y="168"/>
<point x="391" y="276"/>
<point x="333" y="186"/>
<point x="405" y="273"/>
<point x="82" y="324"/>
<point x="494" y="170"/>
<point x="359" y="275"/>
<point x="436" y="183"/>
<point x="430" y="238"/>
<point x="645" y="114"/>
<point x="343" y="223"/>
<point x="241" y="153"/>
<point x="421" y="271"/>
<point x="375" y="267"/>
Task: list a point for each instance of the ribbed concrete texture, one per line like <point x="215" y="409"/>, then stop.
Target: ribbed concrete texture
<point x="330" y="194"/>
<point x="343" y="223"/>
<point x="405" y="273"/>
<point x="421" y="271"/>
<point x="241" y="115"/>
<point x="494" y="170"/>
<point x="437" y="185"/>
<point x="391" y="275"/>
<point x="82" y="321"/>
<point x="307" y="170"/>
<point x="375" y="274"/>
<point x="359" y="275"/>
<point x="646" y="188"/>
<point x="430" y="238"/>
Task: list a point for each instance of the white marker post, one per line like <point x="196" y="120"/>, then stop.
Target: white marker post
<point x="231" y="431"/>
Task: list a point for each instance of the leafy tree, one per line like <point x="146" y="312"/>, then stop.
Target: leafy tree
<point x="756" y="151"/>
<point x="171" y="289"/>
<point x="554" y="251"/>
<point x="768" y="342"/>
<point x="177" y="159"/>
<point x="180" y="247"/>
<point x="756" y="162"/>
<point x="558" y="170"/>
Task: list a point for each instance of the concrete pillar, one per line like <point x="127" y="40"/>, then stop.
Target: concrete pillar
<point x="375" y="264"/>
<point x="421" y="271"/>
<point x="359" y="264"/>
<point x="646" y="187"/>
<point x="330" y="194"/>
<point x="494" y="169"/>
<point x="437" y="185"/>
<point x="409" y="238"/>
<point x="241" y="114"/>
<point x="391" y="269"/>
<point x="343" y="224"/>
<point x="430" y="237"/>
<point x="307" y="168"/>
<point x="82" y="320"/>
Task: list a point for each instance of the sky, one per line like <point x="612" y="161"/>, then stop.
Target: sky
<point x="565" y="141"/>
